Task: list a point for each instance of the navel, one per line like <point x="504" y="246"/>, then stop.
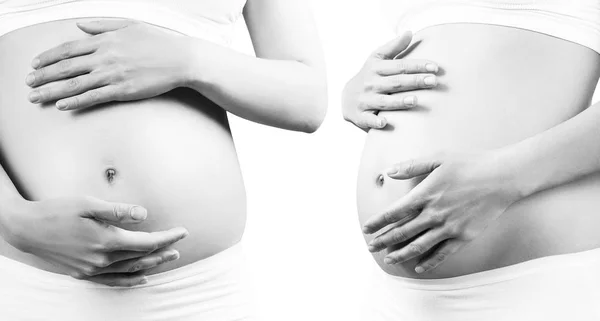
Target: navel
<point x="110" y="175"/>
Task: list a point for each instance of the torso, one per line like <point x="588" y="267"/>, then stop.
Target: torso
<point x="498" y="86"/>
<point x="172" y="154"/>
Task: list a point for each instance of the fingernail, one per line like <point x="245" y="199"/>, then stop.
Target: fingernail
<point x="429" y="81"/>
<point x="392" y="171"/>
<point x="410" y="101"/>
<point x="419" y="269"/>
<point x="431" y="67"/>
<point x="35" y="63"/>
<point x="388" y="260"/>
<point x="185" y="234"/>
<point x="143" y="281"/>
<point x="30" y="79"/>
<point x="366" y="230"/>
<point x="138" y="213"/>
<point x="173" y="256"/>
<point x="34" y="97"/>
<point x="61" y="105"/>
<point x="373" y="247"/>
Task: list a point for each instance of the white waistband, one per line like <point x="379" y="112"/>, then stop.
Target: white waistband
<point x="13" y="19"/>
<point x="209" y="268"/>
<point x="562" y="261"/>
<point x="581" y="26"/>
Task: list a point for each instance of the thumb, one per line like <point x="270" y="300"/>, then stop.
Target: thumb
<point x="113" y="212"/>
<point x="414" y="167"/>
<point x="102" y="26"/>
<point x="394" y="47"/>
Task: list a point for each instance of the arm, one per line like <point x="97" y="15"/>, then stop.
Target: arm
<point x="564" y="153"/>
<point x="284" y="85"/>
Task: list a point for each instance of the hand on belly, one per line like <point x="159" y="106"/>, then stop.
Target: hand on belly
<point x="122" y="61"/>
<point x="461" y="195"/>
<point x="78" y="236"/>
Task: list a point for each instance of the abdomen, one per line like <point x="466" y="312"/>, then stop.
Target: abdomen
<point x="172" y="154"/>
<point x="498" y="86"/>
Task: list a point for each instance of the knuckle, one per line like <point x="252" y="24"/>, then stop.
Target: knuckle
<point x="93" y="96"/>
<point x="136" y="267"/>
<point x="370" y="85"/>
<point x="416" y="248"/>
<point x="66" y="49"/>
<point x="89" y="270"/>
<point x="64" y="65"/>
<point x="40" y="75"/>
<point x="401" y="67"/>
<point x="452" y="231"/>
<point x="397" y="81"/>
<point x="388" y="217"/>
<point x="409" y="167"/>
<point x="440" y="257"/>
<point x="437" y="218"/>
<point x="102" y="262"/>
<point x="73" y="84"/>
<point x="382" y="100"/>
<point x="399" y="236"/>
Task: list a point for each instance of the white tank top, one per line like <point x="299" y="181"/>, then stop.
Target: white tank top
<point x="577" y="21"/>
<point x="212" y="20"/>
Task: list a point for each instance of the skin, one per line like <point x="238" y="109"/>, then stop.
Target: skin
<point x="381" y="83"/>
<point x="458" y="195"/>
<point x="118" y="62"/>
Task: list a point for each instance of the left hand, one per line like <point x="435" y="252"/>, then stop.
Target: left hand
<point x="449" y="208"/>
<point x="123" y="60"/>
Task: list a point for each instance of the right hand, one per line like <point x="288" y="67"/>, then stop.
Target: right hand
<point x="76" y="234"/>
<point x="378" y="85"/>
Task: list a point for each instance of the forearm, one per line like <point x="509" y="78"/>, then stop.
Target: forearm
<point x="280" y="93"/>
<point x="9" y="197"/>
<point x="564" y="153"/>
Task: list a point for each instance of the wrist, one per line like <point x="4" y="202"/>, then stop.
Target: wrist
<point x="194" y="74"/>
<point x="13" y="212"/>
<point x="509" y="166"/>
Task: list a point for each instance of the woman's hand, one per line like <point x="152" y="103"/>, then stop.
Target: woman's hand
<point x="379" y="84"/>
<point x="77" y="235"/>
<point x="449" y="208"/>
<point x="122" y="61"/>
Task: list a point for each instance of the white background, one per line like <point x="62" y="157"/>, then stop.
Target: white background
<point x="303" y="242"/>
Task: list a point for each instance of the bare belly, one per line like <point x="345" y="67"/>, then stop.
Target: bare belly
<point x="172" y="154"/>
<point x="498" y="86"/>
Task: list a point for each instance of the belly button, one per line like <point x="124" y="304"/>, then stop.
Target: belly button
<point x="380" y="180"/>
<point x="110" y="174"/>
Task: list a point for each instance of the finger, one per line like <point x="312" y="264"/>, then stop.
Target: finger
<point x="414" y="167"/>
<point x="368" y="119"/>
<point x="63" y="69"/>
<point x="390" y="102"/>
<point x="408" y="206"/>
<point x="417" y="247"/>
<point x="116" y="279"/>
<point x="68" y="88"/>
<point x="144" y="263"/>
<point x="64" y="51"/>
<point x="399" y="234"/>
<point x="89" y="98"/>
<point x="146" y="242"/>
<point x="405" y="66"/>
<point x="394" y="47"/>
<point x="113" y="212"/>
<point x="102" y="26"/>
<point x="439" y="256"/>
<point x="399" y="83"/>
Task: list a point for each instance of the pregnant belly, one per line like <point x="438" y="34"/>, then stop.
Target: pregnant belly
<point x="498" y="86"/>
<point x="172" y="154"/>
